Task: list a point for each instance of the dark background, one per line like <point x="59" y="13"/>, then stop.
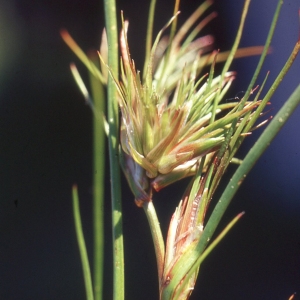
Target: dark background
<point x="46" y="138"/>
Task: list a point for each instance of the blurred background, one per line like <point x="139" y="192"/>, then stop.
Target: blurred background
<point x="46" y="146"/>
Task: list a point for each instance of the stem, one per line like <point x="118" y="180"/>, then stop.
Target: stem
<point x="157" y="237"/>
<point x="98" y="185"/>
<point x="81" y="245"/>
<point x="113" y="141"/>
<point x="149" y="36"/>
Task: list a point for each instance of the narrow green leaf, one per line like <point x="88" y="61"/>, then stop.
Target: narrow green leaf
<point x="81" y="245"/>
<point x="81" y="55"/>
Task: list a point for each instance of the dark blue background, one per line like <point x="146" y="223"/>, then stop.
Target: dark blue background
<point x="46" y="137"/>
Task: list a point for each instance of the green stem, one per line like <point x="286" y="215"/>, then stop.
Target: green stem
<point x="113" y="141"/>
<point x="149" y="36"/>
<point x="98" y="185"/>
<point x="157" y="237"/>
<point x="81" y="245"/>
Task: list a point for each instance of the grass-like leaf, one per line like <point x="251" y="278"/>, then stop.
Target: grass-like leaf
<point x="82" y="246"/>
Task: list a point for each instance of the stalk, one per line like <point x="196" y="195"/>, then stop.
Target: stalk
<point x="113" y="141"/>
<point x="98" y="185"/>
<point x="149" y="35"/>
<point x="157" y="237"/>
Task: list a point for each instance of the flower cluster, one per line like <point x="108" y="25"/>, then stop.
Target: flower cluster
<point x="173" y="116"/>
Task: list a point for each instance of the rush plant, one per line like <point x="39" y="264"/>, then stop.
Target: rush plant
<point x="174" y="123"/>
